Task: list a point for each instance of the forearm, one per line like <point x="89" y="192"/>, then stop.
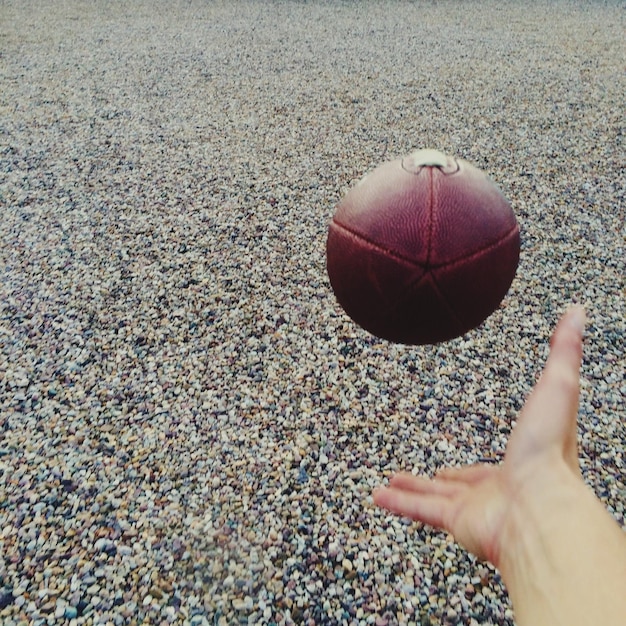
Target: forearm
<point x="564" y="558"/>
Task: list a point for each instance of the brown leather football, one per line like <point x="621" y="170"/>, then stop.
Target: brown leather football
<point x="422" y="249"/>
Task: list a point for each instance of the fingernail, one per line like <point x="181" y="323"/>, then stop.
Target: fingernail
<point x="578" y="318"/>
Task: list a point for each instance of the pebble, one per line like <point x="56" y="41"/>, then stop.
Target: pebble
<point x="191" y="426"/>
<point x="71" y="612"/>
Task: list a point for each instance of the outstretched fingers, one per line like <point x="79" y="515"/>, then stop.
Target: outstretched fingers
<point x="447" y="481"/>
<point x="468" y="475"/>
<point x="419" y="485"/>
<point x="430" y="508"/>
<point x="431" y="501"/>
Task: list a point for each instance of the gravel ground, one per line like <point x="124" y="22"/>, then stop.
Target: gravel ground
<point x="190" y="426"/>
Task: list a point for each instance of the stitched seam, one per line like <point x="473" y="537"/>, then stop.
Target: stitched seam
<point x="415" y="284"/>
<point x="376" y="246"/>
<point x="431" y="219"/>
<point x="414" y="263"/>
<point x="478" y="252"/>
<point x="411" y="287"/>
<point x="451" y="309"/>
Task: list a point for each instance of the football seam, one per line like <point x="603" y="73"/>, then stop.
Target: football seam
<point x="377" y="246"/>
<point x="412" y="286"/>
<point x="441" y="291"/>
<point x="431" y="220"/>
<point x="413" y="262"/>
<point x="453" y="313"/>
<point x="470" y="257"/>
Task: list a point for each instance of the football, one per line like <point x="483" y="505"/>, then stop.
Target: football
<point x="423" y="249"/>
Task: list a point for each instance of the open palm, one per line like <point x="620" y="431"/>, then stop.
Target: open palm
<point x="473" y="503"/>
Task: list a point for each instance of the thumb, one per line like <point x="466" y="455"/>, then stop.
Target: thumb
<point x="549" y="415"/>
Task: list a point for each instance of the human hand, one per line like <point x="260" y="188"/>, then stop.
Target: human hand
<point x="475" y="503"/>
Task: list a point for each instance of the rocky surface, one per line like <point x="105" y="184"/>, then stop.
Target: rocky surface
<point x="190" y="426"/>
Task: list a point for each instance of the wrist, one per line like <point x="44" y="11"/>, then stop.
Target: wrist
<point x="562" y="556"/>
<point x="539" y="508"/>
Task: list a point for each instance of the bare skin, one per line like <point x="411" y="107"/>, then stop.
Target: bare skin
<point x="561" y="555"/>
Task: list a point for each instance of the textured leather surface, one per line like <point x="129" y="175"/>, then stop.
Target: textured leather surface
<point x="422" y="256"/>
